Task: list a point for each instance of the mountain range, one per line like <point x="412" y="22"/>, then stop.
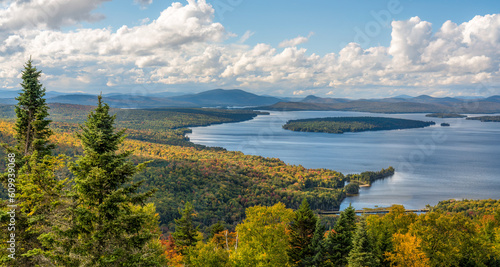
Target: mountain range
<point x="239" y="98"/>
<point x="399" y="104"/>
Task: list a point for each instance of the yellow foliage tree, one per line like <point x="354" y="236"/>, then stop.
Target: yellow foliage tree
<point x="407" y="252"/>
<point x="262" y="238"/>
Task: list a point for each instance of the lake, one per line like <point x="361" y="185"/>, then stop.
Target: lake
<point x="432" y="164"/>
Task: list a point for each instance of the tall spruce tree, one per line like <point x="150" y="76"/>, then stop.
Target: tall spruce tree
<point x="339" y="243"/>
<point x="361" y="254"/>
<point x="111" y="226"/>
<point x="32" y="125"/>
<point x="317" y="246"/>
<point x="301" y="235"/>
<point x="185" y="234"/>
<point x="37" y="183"/>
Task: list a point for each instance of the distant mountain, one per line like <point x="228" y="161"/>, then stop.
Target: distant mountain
<point x="495" y="98"/>
<point x="221" y="97"/>
<point x="7" y="101"/>
<point x="119" y="101"/>
<point x="9" y="93"/>
<point x="403" y="96"/>
<point x="324" y="100"/>
<point x="212" y="98"/>
<point x="419" y="104"/>
<point x="236" y="97"/>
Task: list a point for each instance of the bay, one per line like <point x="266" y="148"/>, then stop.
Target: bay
<point x="432" y="164"/>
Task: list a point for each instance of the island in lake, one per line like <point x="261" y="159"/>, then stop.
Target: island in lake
<point x="446" y="115"/>
<point x="444" y="124"/>
<point x="353" y="124"/>
<point x="486" y="118"/>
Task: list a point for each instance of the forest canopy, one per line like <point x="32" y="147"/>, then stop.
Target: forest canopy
<point x="340" y="125"/>
<point x="446" y="115"/>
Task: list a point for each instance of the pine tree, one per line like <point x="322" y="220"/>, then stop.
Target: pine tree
<point x="32" y="125"/>
<point x="111" y="225"/>
<point x="301" y="235"/>
<point x="361" y="254"/>
<point x="185" y="234"/>
<point x="338" y="244"/>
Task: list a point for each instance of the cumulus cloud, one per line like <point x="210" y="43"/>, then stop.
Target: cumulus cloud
<point x="43" y="14"/>
<point x="409" y="39"/>
<point x="184" y="46"/>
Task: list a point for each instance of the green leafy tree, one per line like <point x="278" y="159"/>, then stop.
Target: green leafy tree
<point x="111" y="226"/>
<point x="185" y="234"/>
<point x="339" y="242"/>
<point x="361" y="254"/>
<point x="378" y="230"/>
<point x="301" y="235"/>
<point x="208" y="254"/>
<point x="262" y="238"/>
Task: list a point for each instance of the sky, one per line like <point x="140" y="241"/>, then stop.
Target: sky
<point x="329" y="48"/>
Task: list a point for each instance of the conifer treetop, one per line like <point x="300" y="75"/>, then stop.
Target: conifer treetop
<point x="32" y="125"/>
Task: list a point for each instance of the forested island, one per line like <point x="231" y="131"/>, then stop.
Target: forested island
<point x="340" y="125"/>
<point x="446" y="115"/>
<point x="486" y="118"/>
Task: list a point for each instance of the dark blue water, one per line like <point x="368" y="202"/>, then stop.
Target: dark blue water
<point x="432" y="163"/>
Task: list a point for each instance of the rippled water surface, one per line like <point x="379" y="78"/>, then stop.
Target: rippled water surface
<point x="432" y="164"/>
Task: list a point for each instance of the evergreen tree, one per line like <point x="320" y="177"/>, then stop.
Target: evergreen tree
<point x="338" y="244"/>
<point x="32" y="125"/>
<point x="215" y="229"/>
<point x="185" y="234"/>
<point x="38" y="186"/>
<point x="301" y="234"/>
<point x="361" y="254"/>
<point x="317" y="246"/>
<point x="111" y="225"/>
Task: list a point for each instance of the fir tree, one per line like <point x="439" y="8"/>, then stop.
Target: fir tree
<point x="215" y="229"/>
<point x="361" y="254"/>
<point x="37" y="183"/>
<point x="111" y="225"/>
<point x="32" y="125"/>
<point x="185" y="234"/>
<point x="339" y="243"/>
<point x="301" y="235"/>
<point x="317" y="246"/>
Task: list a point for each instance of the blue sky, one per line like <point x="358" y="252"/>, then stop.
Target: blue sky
<point x="290" y="48"/>
<point x="333" y="23"/>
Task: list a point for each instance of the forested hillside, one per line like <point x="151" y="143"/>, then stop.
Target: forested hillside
<point x="219" y="183"/>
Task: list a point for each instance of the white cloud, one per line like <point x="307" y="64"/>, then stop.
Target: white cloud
<point x="295" y="41"/>
<point x="47" y="14"/>
<point x="409" y="39"/>
<point x="143" y="2"/>
<point x="184" y="46"/>
<point x="245" y="37"/>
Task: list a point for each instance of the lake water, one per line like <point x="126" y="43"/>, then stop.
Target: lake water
<point x="432" y="164"/>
